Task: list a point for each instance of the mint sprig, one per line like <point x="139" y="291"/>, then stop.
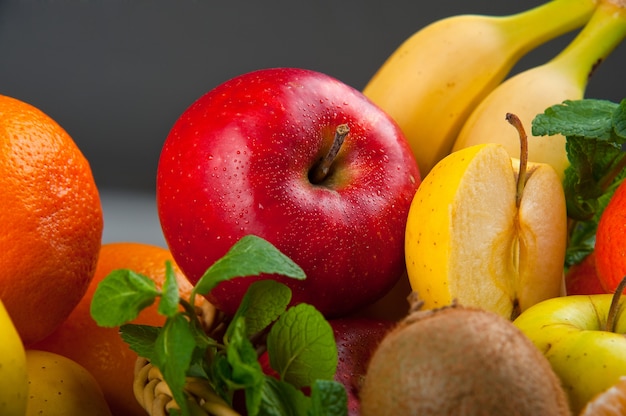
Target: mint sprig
<point x="595" y="132"/>
<point x="298" y="339"/>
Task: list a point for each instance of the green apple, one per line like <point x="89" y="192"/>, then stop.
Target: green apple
<point x="582" y="336"/>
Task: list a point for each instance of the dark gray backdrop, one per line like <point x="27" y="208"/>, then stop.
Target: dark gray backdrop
<point x="117" y="73"/>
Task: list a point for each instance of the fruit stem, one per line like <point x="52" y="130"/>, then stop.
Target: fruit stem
<point x="523" y="159"/>
<point x="320" y="171"/>
<point x="610" y="319"/>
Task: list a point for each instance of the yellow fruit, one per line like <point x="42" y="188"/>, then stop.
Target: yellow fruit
<point x="435" y="78"/>
<point x="467" y="238"/>
<point x="13" y="378"/>
<point x="58" y="386"/>
<point x="571" y="331"/>
<point x="529" y="93"/>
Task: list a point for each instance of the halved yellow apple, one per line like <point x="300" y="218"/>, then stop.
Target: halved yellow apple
<point x="471" y="239"/>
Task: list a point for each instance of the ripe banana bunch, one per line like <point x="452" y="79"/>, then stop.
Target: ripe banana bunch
<point x="13" y="372"/>
<point x="430" y="84"/>
<point x="530" y="92"/>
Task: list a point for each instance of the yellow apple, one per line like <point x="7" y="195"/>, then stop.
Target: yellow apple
<point x="471" y="238"/>
<point x="582" y="336"/>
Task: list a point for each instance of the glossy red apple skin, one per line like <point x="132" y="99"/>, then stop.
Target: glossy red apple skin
<point x="237" y="162"/>
<point x="357" y="339"/>
<point x="583" y="279"/>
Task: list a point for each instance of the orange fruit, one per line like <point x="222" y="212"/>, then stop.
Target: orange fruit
<point x="51" y="220"/>
<point x="101" y="350"/>
<point x="610" y="245"/>
<point x="611" y="402"/>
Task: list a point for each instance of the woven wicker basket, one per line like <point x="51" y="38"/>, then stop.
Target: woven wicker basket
<point x="155" y="396"/>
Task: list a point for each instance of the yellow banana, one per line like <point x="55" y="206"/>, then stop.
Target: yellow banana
<point x="13" y="373"/>
<point x="433" y="80"/>
<point x="530" y="92"/>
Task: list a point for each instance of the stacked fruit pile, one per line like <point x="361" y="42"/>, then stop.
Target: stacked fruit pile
<point x="408" y="249"/>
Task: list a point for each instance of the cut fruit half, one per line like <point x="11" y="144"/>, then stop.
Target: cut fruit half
<point x="468" y="239"/>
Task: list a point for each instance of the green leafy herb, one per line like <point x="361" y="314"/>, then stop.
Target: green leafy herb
<point x="121" y="296"/>
<point x="298" y="340"/>
<point x="170" y="298"/>
<point x="595" y="132"/>
<point x="310" y="355"/>
<point x="249" y="257"/>
<point x="262" y="304"/>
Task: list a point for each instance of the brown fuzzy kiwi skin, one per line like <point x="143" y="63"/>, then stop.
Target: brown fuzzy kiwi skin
<point x="460" y="361"/>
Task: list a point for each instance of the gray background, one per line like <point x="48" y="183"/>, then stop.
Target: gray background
<point x="116" y="74"/>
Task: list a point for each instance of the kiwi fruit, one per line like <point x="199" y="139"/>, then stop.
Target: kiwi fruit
<point x="459" y="360"/>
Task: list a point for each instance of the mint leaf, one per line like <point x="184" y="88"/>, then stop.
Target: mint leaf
<point x="120" y="296"/>
<point x="173" y="350"/>
<point x="595" y="132"/>
<point x="250" y="256"/>
<point x="141" y="339"/>
<point x="577" y="118"/>
<point x="328" y="398"/>
<point x="591" y="161"/>
<point x="168" y="305"/>
<point x="283" y="399"/>
<point x="619" y="120"/>
<point x="246" y="369"/>
<point x="220" y="372"/>
<point x="262" y="304"/>
<point x="310" y="352"/>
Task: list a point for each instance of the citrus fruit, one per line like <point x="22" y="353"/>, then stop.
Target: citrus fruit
<point x="611" y="402"/>
<point x="60" y="386"/>
<point x="610" y="245"/>
<point x="51" y="220"/>
<point x="101" y="350"/>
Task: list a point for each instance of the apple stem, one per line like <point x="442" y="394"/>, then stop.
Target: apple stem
<point x="321" y="170"/>
<point x="523" y="157"/>
<point x="610" y="319"/>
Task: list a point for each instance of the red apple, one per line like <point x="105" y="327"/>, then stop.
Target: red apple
<point x="357" y="339"/>
<point x="582" y="278"/>
<point x="246" y="158"/>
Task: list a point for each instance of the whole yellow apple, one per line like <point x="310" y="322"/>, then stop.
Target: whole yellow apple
<point x="582" y="336"/>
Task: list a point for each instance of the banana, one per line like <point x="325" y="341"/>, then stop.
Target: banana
<point x="13" y="372"/>
<point x="432" y="81"/>
<point x="564" y="77"/>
